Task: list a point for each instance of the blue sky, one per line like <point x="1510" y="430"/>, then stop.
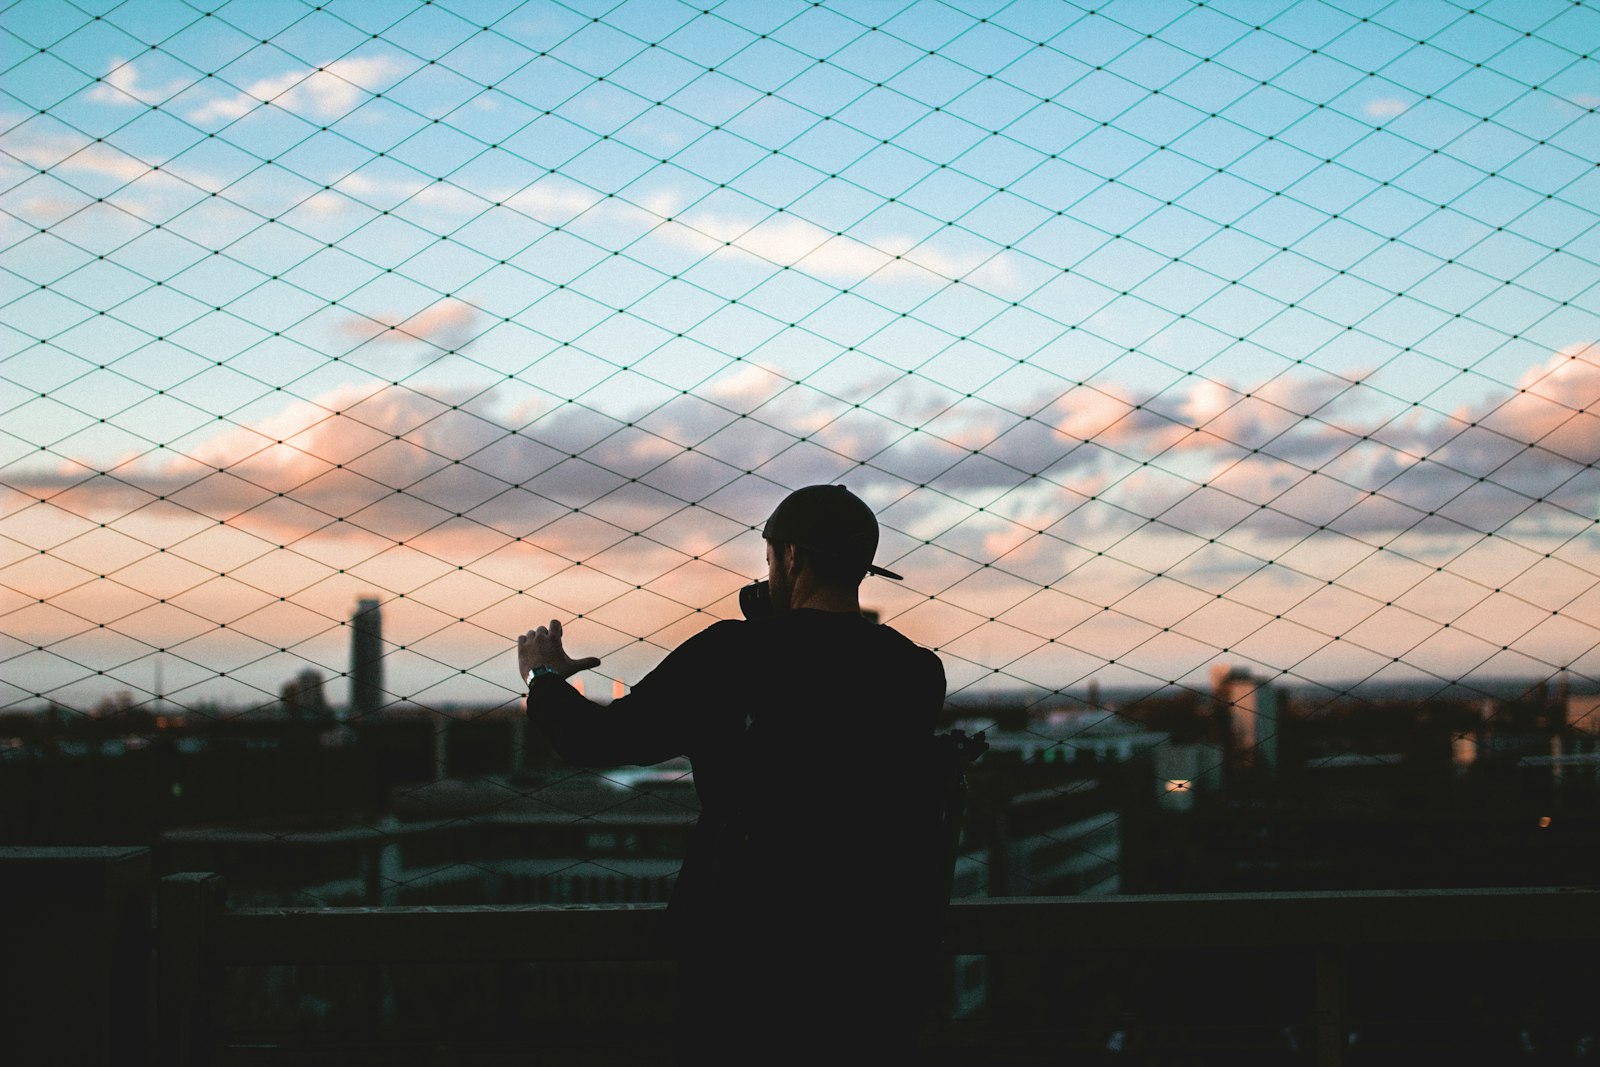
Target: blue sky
<point x="1159" y="333"/>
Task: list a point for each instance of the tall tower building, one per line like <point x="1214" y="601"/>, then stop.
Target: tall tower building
<point x="1250" y="710"/>
<point x="366" y="660"/>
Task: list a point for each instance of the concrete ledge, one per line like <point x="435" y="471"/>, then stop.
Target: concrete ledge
<point x="975" y="927"/>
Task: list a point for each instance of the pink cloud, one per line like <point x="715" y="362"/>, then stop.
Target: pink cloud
<point x="662" y="498"/>
<point x="1556" y="406"/>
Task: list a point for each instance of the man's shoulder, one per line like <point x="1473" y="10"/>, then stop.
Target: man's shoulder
<point x="718" y="637"/>
<point x="723" y="629"/>
<point x="898" y="637"/>
<point x="717" y="650"/>
<point x="905" y="645"/>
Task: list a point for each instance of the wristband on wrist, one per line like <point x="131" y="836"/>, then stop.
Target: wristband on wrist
<point x="540" y="671"/>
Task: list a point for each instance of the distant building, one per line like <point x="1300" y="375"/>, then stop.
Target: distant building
<point x="302" y="696"/>
<point x="1583" y="713"/>
<point x="1251" y="712"/>
<point x="1048" y="823"/>
<point x="366" y="660"/>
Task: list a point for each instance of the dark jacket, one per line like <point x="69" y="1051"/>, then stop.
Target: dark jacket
<point x="807" y="884"/>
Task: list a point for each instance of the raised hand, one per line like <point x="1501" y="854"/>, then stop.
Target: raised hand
<point x="541" y="647"/>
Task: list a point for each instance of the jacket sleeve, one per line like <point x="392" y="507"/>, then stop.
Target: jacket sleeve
<point x="661" y="718"/>
<point x="933" y="683"/>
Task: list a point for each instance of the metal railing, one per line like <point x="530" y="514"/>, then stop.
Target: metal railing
<point x="1312" y="938"/>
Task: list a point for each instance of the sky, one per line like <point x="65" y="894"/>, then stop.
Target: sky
<point x="1159" y="334"/>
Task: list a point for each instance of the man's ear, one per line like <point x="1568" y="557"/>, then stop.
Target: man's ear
<point x="793" y="559"/>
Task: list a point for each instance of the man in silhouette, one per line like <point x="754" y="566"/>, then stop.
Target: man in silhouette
<point x="804" y="910"/>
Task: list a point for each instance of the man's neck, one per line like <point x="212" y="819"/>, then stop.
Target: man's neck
<point x="828" y="598"/>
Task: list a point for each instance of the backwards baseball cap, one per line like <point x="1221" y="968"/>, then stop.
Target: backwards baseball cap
<point x="829" y="519"/>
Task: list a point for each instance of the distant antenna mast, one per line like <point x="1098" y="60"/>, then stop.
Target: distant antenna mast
<point x="161" y="696"/>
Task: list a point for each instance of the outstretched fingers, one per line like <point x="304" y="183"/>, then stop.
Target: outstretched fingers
<point x="542" y="646"/>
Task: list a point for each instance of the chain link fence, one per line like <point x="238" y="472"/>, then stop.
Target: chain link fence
<point x="1161" y="335"/>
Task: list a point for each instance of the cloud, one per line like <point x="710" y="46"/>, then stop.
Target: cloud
<point x="1253" y="465"/>
<point x="1534" y="451"/>
<point x="554" y="200"/>
<point x="1385" y="107"/>
<point x="1556" y="407"/>
<point x="322" y="93"/>
<point x="1110" y="416"/>
<point x="397" y="463"/>
<point x="393" y="489"/>
<point x="59" y="150"/>
<point x="787" y="240"/>
<point x="104" y="160"/>
<point x="447" y="325"/>
<point x="124" y="86"/>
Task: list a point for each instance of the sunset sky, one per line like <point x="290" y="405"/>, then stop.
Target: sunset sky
<point x="1158" y="333"/>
